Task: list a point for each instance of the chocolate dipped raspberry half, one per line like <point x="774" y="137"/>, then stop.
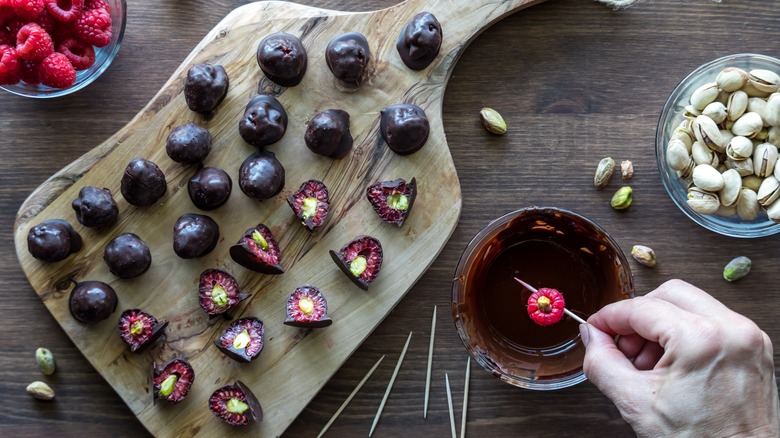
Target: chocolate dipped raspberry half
<point x="139" y="329"/>
<point x="258" y="251"/>
<point x="392" y="200"/>
<point x="311" y="204"/>
<point x="218" y="292"/>
<point x="242" y="340"/>
<point x="307" y="308"/>
<point x="236" y="405"/>
<point x="171" y="382"/>
<point x="360" y="260"/>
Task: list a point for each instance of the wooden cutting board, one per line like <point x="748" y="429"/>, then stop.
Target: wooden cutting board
<point x="295" y="363"/>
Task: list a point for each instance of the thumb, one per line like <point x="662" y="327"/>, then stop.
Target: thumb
<point x="609" y="369"/>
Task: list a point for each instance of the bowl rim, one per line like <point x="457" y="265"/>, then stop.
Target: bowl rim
<point x="577" y="375"/>
<point x="88" y="79"/>
<point x="715" y="223"/>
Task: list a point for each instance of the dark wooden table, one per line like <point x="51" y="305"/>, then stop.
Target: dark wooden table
<point x="575" y="82"/>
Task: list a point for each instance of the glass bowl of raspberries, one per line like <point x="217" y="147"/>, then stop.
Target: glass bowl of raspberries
<point x="50" y="48"/>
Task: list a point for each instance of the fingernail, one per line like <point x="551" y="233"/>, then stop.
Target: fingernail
<point x="584" y="334"/>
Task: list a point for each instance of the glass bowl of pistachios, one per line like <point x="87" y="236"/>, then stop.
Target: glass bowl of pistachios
<point x="717" y="145"/>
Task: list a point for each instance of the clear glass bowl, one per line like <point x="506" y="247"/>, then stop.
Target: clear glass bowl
<point x="103" y="58"/>
<point x="672" y="116"/>
<point x="490" y="315"/>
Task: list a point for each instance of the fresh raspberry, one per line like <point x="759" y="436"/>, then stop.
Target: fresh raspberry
<point x="80" y="54"/>
<point x="33" y="43"/>
<point x="545" y="306"/>
<point x="6" y="11"/>
<point x="28" y="9"/>
<point x="29" y="72"/>
<point x="10" y="66"/>
<point x="65" y="10"/>
<point x="56" y="71"/>
<point x="94" y="27"/>
<point x="46" y="21"/>
<point x="96" y="4"/>
<point x="63" y="31"/>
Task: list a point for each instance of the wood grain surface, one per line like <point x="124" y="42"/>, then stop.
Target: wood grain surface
<point x="575" y="82"/>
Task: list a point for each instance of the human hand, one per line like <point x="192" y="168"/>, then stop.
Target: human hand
<point x="683" y="365"/>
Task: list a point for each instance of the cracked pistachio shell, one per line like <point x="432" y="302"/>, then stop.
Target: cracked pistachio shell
<point x="702" y="202"/>
<point x="764" y="80"/>
<point x="764" y="158"/>
<point x="762" y="134"/>
<point x="731" y="79"/>
<point x="704" y="95"/>
<point x="604" y="172"/>
<point x="758" y="106"/>
<point x="748" y="125"/>
<point x="736" y="105"/>
<point x="626" y="169"/>
<point x="753" y="182"/>
<point x="772" y="110"/>
<point x="703" y="155"/>
<point x="677" y="155"/>
<point x="739" y="148"/>
<point x="690" y="112"/>
<point x="736" y="268"/>
<point x="688" y="171"/>
<point x="743" y="167"/>
<point x="732" y="184"/>
<point x="621" y="200"/>
<point x="716" y="111"/>
<point x="773" y="212"/>
<point x="707" y="178"/>
<point x="708" y="133"/>
<point x="644" y="255"/>
<point x="748" y="207"/>
<point x="752" y="91"/>
<point x="769" y="191"/>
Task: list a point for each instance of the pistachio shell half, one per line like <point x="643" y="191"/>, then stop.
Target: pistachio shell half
<point x="769" y="191"/>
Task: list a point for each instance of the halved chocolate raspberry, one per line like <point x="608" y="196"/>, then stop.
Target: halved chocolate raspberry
<point x="307" y="308"/>
<point x="172" y="381"/>
<point x="218" y="292"/>
<point x="139" y="329"/>
<point x="392" y="200"/>
<point x="360" y="259"/>
<point x="258" y="251"/>
<point x="235" y="404"/>
<point x="311" y="204"/>
<point x="242" y="340"/>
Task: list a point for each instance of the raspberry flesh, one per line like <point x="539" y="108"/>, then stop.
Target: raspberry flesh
<point x="545" y="306"/>
<point x="65" y="10"/>
<point x="81" y="55"/>
<point x="96" y="4"/>
<point x="56" y="71"/>
<point x="28" y="9"/>
<point x="94" y="27"/>
<point x="33" y="43"/>
<point x="10" y="65"/>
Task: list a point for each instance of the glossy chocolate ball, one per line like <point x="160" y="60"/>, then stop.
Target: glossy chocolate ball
<point x="92" y="301"/>
<point x="404" y="127"/>
<point x="143" y="183"/>
<point x="205" y="87"/>
<point x="420" y="41"/>
<point x="95" y="207"/>
<point x="348" y="57"/>
<point x="328" y="134"/>
<point x="282" y="58"/>
<point x="210" y="188"/>
<point x="194" y="235"/>
<point x="127" y="256"/>
<point x="53" y="240"/>
<point x="189" y="143"/>
<point x="261" y="175"/>
<point x="264" y="121"/>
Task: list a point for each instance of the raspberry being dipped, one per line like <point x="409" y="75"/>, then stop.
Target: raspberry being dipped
<point x="307" y="308"/>
<point x="139" y="329"/>
<point x="392" y="200"/>
<point x="258" y="251"/>
<point x="218" y="292"/>
<point x="172" y="381"/>
<point x="242" y="340"/>
<point x="545" y="306"/>
<point x="311" y="204"/>
<point x="360" y="260"/>
<point x="236" y="405"/>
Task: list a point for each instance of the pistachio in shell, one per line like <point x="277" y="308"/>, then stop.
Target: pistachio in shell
<point x="644" y="255"/>
<point x="604" y="172"/>
<point x="737" y="268"/>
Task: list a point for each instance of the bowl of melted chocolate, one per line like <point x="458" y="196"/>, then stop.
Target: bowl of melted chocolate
<point x="545" y="247"/>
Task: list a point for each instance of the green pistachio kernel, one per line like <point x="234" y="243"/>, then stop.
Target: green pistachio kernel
<point x="236" y="406"/>
<point x="737" y="268"/>
<point x="166" y="387"/>
<point x="45" y="360"/>
<point x="358" y="265"/>
<point x="259" y="240"/>
<point x="309" y="207"/>
<point x="242" y="340"/>
<point x="622" y="198"/>
<point x="398" y="201"/>
<point x="219" y="296"/>
<point x="137" y="328"/>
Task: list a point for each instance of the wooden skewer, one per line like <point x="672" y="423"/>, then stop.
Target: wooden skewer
<point x="390" y="385"/>
<point x="349" y="399"/>
<point x="465" y="400"/>
<point x="430" y="361"/>
<point x="449" y="402"/>
<point x="565" y="310"/>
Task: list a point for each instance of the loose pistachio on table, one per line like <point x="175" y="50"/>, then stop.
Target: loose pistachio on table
<point x="45" y="359"/>
<point x="644" y="255"/>
<point x="737" y="268"/>
<point x="604" y="172"/>
<point x="626" y="169"/>
<point x="40" y="390"/>
<point x="621" y="200"/>
<point x="726" y="145"/>
<point x="492" y="121"/>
